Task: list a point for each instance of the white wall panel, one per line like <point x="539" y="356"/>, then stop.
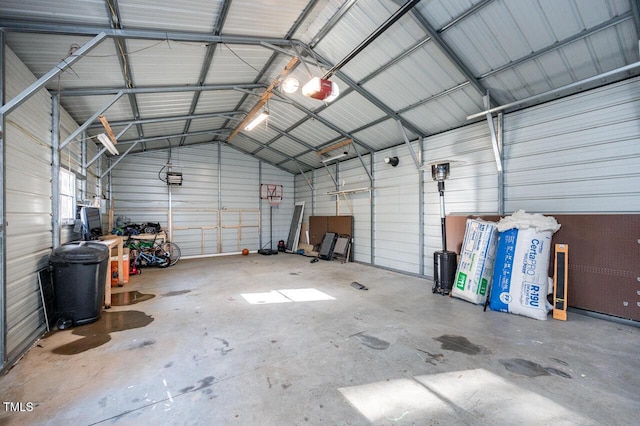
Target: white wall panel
<point x="353" y="176"/>
<point x="28" y="208"/>
<point x="396" y="211"/>
<point x="577" y="154"/>
<point x="283" y="213"/>
<point x="217" y="207"/>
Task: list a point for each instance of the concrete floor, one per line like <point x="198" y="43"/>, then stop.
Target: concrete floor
<point x="198" y="353"/>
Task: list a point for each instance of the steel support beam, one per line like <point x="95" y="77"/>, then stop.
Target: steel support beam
<point x="465" y="14"/>
<point x="559" y="44"/>
<point x="374" y="35"/>
<point x="138" y="34"/>
<point x="449" y="53"/>
<point x="156" y="89"/>
<point x="55" y="170"/>
<point x="168" y="118"/>
<point x="411" y="151"/>
<point x="500" y="131"/>
<point x="497" y="154"/>
<point x="635" y="10"/>
<point x="3" y="251"/>
<point x="90" y="120"/>
<point x="42" y="81"/>
<point x="553" y="92"/>
<point x="206" y="63"/>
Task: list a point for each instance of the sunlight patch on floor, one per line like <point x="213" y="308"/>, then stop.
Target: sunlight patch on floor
<point x="286" y="296"/>
<point x="457" y="397"/>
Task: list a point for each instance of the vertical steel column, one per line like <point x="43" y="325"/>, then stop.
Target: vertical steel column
<point x="372" y="209"/>
<point x="500" y="137"/>
<point x="83" y="162"/>
<point x="313" y="192"/>
<point x="219" y="219"/>
<point x="170" y="207"/>
<point x="55" y="169"/>
<point x="421" y="235"/>
<point x="3" y="258"/>
<point x="260" y="201"/>
<point x="337" y="180"/>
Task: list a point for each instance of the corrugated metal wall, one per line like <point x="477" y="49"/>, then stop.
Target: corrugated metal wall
<point x="472" y="186"/>
<point x="578" y="154"/>
<point x="29" y="201"/>
<point x="396" y="211"/>
<point x="28" y="207"/>
<point x="216" y="210"/>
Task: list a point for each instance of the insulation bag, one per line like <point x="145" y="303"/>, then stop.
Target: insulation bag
<point x="520" y="277"/>
<point x="477" y="257"/>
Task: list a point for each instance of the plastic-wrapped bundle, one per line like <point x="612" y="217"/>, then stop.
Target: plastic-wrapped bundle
<point x="520" y="282"/>
<point x="477" y="256"/>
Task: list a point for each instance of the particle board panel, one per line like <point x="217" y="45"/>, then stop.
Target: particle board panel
<point x="320" y="225"/>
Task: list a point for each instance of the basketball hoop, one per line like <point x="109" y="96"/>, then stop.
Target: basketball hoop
<point x="272" y="193"/>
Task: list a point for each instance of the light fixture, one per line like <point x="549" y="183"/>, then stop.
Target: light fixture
<point x="392" y="160"/>
<point x="290" y="85"/>
<point x="259" y="119"/>
<point x="335" y="157"/>
<point x="319" y="88"/>
<point x="104" y="140"/>
<point x="174" y="178"/>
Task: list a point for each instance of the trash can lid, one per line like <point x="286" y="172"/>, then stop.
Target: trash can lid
<point x="80" y="252"/>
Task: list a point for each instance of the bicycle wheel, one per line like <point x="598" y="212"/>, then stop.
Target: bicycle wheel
<point x="173" y="251"/>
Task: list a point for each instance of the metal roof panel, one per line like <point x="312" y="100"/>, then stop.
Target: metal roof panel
<point x="264" y="18"/>
<point x="154" y="62"/>
<point x="185" y="15"/>
<point x="153" y="105"/>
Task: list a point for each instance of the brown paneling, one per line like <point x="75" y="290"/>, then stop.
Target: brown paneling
<point x="604" y="260"/>
<point x="320" y="225"/>
<point x="341" y="225"/>
<point x="317" y="229"/>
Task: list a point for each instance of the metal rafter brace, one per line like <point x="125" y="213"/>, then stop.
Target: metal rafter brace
<point x="265" y="96"/>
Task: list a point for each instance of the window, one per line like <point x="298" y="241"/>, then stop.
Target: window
<point x="67" y="200"/>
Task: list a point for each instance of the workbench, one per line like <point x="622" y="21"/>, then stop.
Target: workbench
<point x="112" y="241"/>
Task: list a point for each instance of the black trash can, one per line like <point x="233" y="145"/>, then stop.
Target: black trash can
<point x="79" y="273"/>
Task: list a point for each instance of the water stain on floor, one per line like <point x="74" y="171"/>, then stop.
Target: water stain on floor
<point x="99" y="332"/>
<point x="372" y="342"/>
<point x="528" y="368"/>
<point x="129" y="298"/>
<point x="175" y="293"/>
<point x="461" y="344"/>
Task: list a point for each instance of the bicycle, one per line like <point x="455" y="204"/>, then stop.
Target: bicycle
<point x="151" y="253"/>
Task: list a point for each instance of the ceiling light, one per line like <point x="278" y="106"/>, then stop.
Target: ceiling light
<point x="392" y="160"/>
<point x="290" y="85"/>
<point x="319" y="88"/>
<point x="104" y="140"/>
<point x="259" y="119"/>
<point x="335" y="157"/>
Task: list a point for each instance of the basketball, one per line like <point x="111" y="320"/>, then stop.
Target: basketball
<point x="245" y="252"/>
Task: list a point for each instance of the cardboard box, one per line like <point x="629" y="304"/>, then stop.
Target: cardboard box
<point x="114" y="266"/>
<point x="476" y="261"/>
